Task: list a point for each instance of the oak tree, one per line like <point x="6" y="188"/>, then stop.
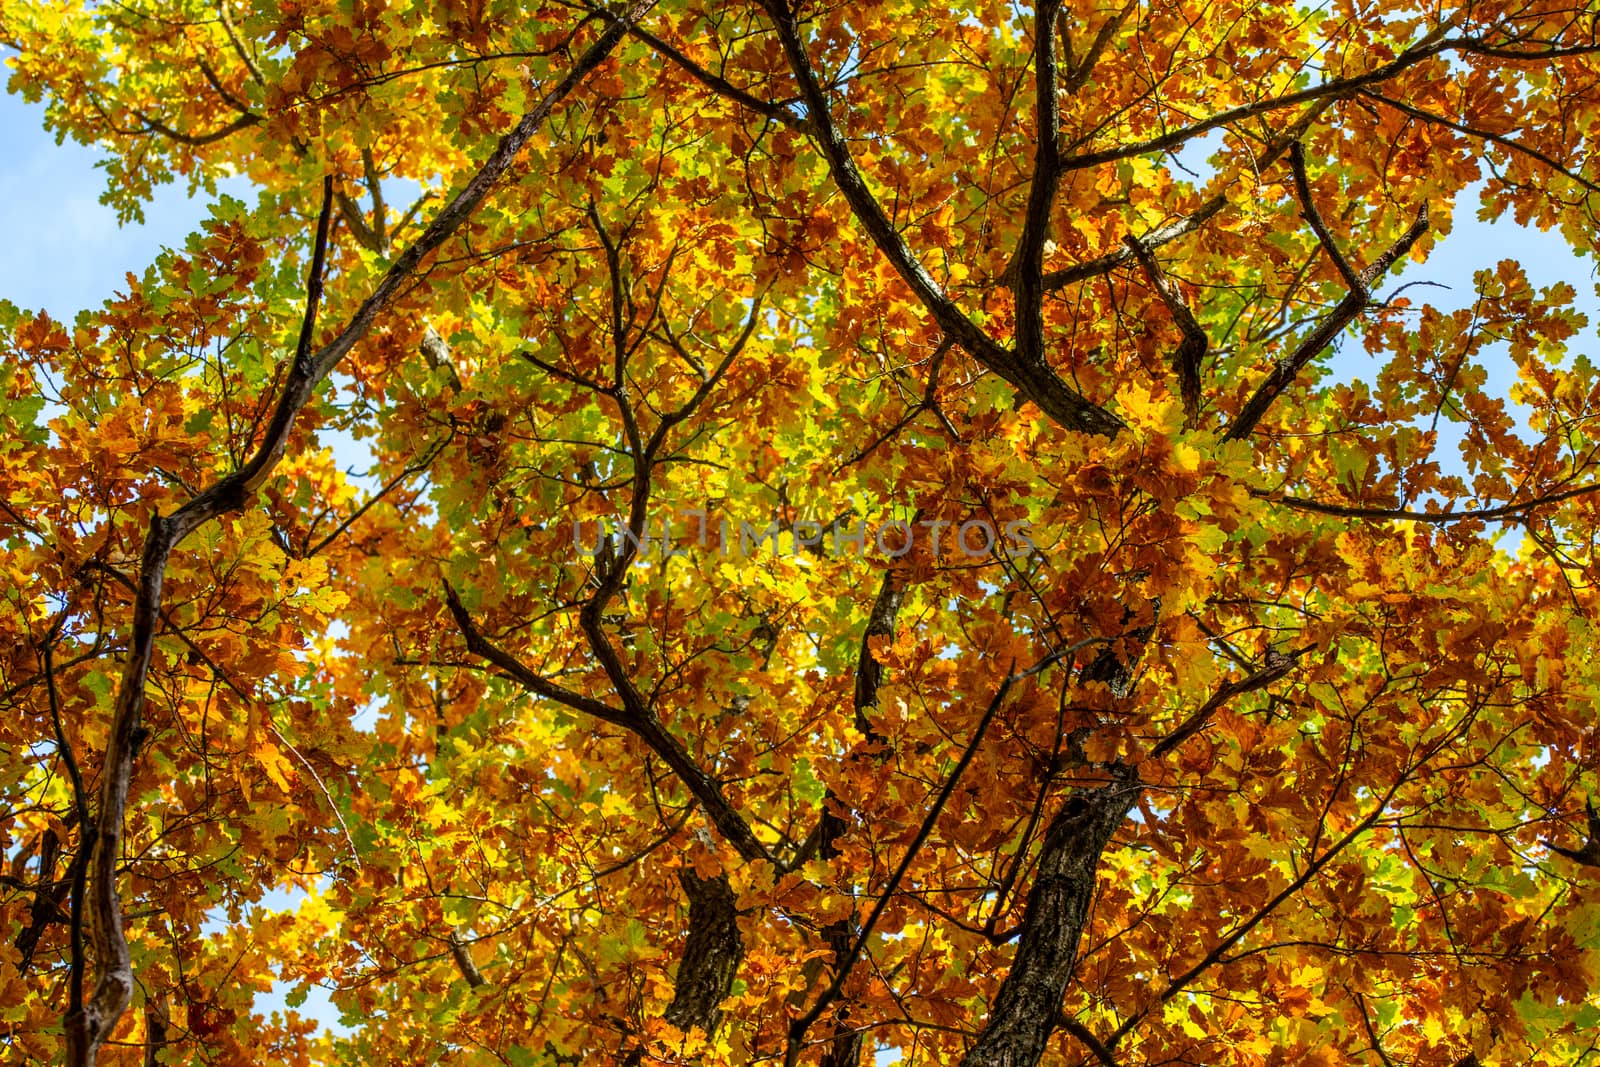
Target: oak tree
<point x="710" y="532"/>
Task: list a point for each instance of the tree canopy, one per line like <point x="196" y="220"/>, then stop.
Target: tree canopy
<point x="808" y="533"/>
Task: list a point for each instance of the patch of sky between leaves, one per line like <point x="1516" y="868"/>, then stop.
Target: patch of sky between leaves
<point x="311" y="1001"/>
<point x="67" y="251"/>
<point x="1474" y="244"/>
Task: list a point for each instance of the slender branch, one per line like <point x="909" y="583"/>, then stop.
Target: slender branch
<point x="797" y="1029"/>
<point x="929" y="402"/>
<point x="1372" y="1036"/>
<point x="114" y="986"/>
<point x="1339" y="87"/>
<point x="844" y="1049"/>
<point x="1308" y="207"/>
<point x="636" y="719"/>
<point x="374" y="181"/>
<point x="196" y="140"/>
<point x="1092" y="1043"/>
<point x="1233" y="937"/>
<point x="365" y="236"/>
<point x="1277" y="666"/>
<point x="1101" y="265"/>
<point x="319" y="262"/>
<point x="519" y="672"/>
<point x="777" y="111"/>
<point x="216" y="83"/>
<point x="1509" y="143"/>
<point x="1359" y="298"/>
<point x="95" y="652"/>
<point x="80" y="799"/>
<point x="226" y="19"/>
<point x="414" y="468"/>
<point x="1516" y="509"/>
<point x="1078" y="72"/>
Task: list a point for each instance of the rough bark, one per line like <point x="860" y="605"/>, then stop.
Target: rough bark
<point x="1029" y="1002"/>
<point x="711" y="956"/>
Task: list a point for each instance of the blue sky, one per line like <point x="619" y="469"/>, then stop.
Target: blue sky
<point x="66" y="250"/>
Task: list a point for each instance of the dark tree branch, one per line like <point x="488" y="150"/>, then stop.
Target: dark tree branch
<point x="1239" y="932"/>
<point x="88" y="1027"/>
<point x="48" y="896"/>
<point x="1078" y="71"/>
<point x="869" y="672"/>
<point x="157" y="1023"/>
<point x="459" y="952"/>
<point x="1192" y="349"/>
<point x="1515" y="510"/>
<point x="844" y="1050"/>
<point x="797" y="1029"/>
<point x="1589" y="853"/>
<point x="356" y="222"/>
<point x="1508" y="143"/>
<point x="1308" y="209"/>
<point x="1101" y="265"/>
<point x="777" y="111"/>
<point x="376" y="498"/>
<point x="226" y="19"/>
<point x="80" y="865"/>
<point x="1028" y="1005"/>
<point x="634" y="716"/>
<point x="374" y="182"/>
<point x="519" y="672"/>
<point x="195" y="140"/>
<point x="1034" y="379"/>
<point x="1344" y="313"/>
<point x="1372" y="1035"/>
<point x="1435" y="44"/>
<point x="711" y="956"/>
<point x="221" y="90"/>
<point x="1092" y="1043"/>
<point x="1278" y="665"/>
<point x="1028" y="261"/>
<point x="929" y="402"/>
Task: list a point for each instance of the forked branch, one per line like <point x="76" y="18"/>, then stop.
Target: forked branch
<point x="1356" y="301"/>
<point x="641" y="722"/>
<point x="1027" y="372"/>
